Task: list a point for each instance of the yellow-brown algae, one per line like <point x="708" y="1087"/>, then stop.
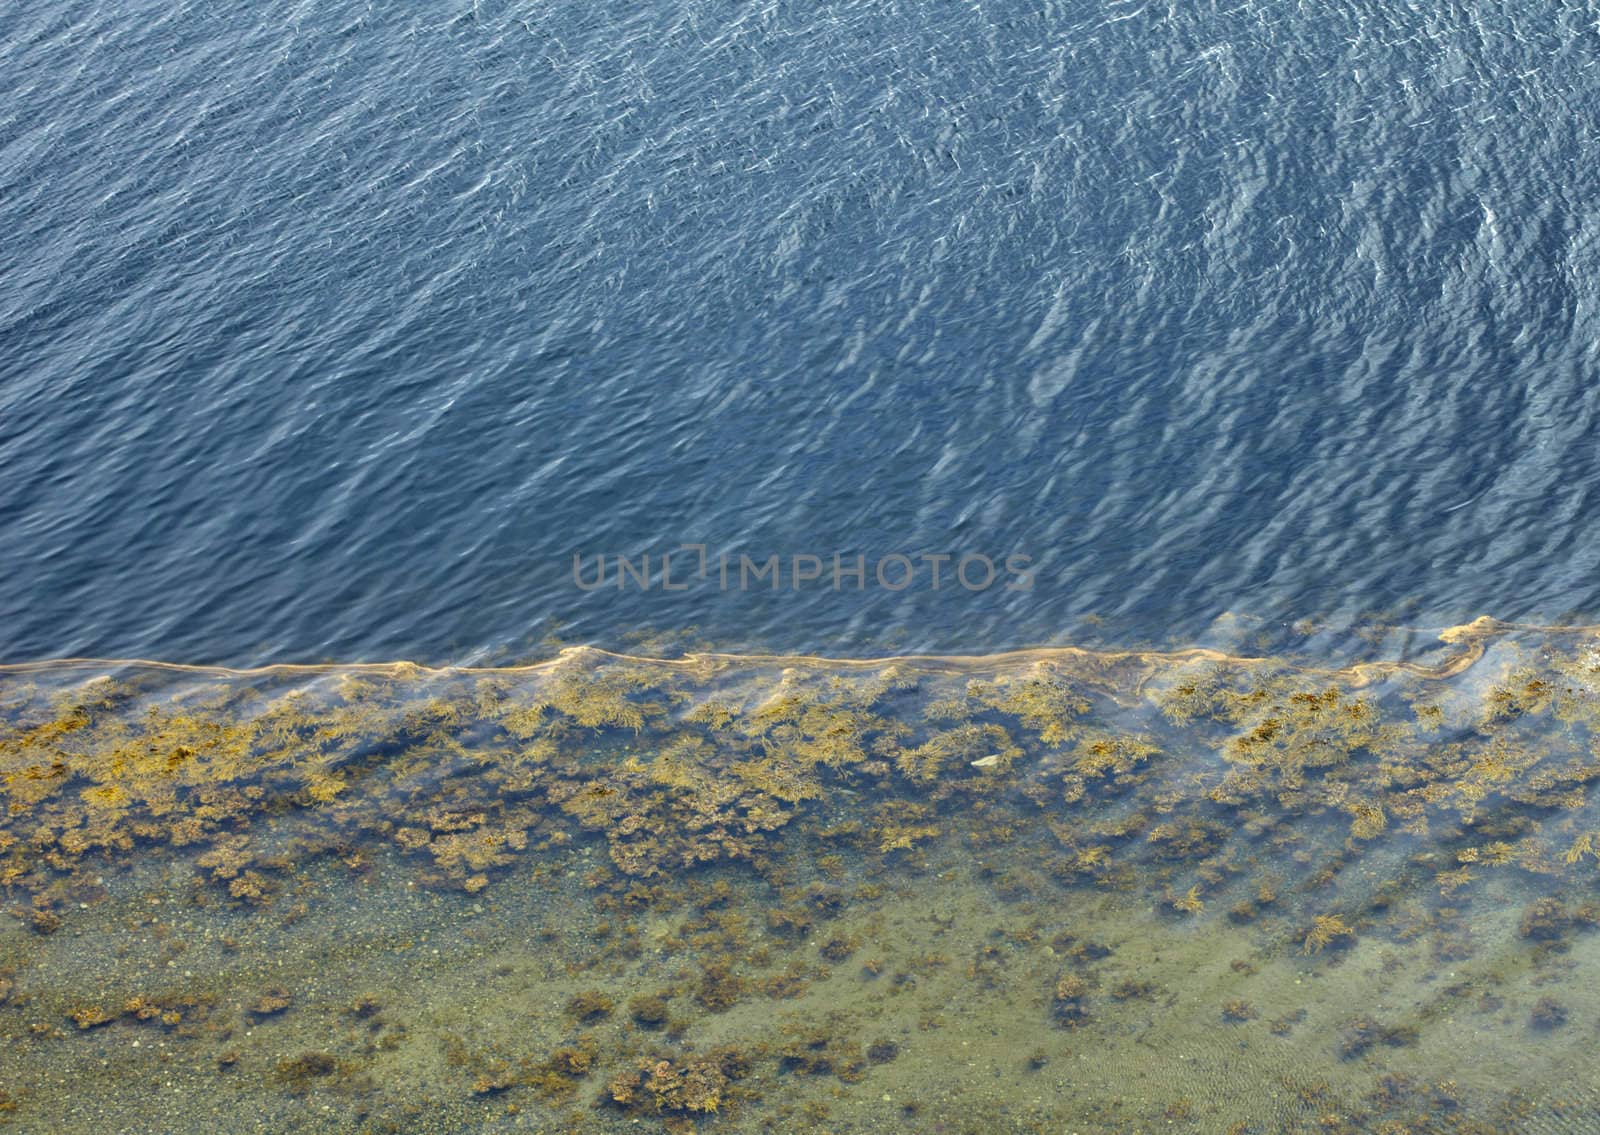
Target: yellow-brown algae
<point x="1275" y="805"/>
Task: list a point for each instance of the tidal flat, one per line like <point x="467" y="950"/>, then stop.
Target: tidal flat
<point x="1181" y="890"/>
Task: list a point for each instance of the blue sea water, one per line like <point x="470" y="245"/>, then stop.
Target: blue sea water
<point x="338" y="329"/>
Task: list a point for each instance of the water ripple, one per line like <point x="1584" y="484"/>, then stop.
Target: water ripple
<point x="332" y="331"/>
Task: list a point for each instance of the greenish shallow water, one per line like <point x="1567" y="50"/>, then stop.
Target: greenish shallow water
<point x="1065" y="891"/>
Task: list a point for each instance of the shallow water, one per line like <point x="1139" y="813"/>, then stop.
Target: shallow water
<point x="1064" y="890"/>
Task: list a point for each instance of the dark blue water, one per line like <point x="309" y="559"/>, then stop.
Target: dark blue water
<point x="337" y="329"/>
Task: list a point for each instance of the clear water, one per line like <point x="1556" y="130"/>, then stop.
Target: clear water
<point x="1051" y="890"/>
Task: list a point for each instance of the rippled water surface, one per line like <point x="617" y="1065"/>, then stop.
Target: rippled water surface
<point x="337" y="329"/>
<point x="1255" y="346"/>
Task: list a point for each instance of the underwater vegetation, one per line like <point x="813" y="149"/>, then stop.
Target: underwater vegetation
<point x="1324" y="811"/>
